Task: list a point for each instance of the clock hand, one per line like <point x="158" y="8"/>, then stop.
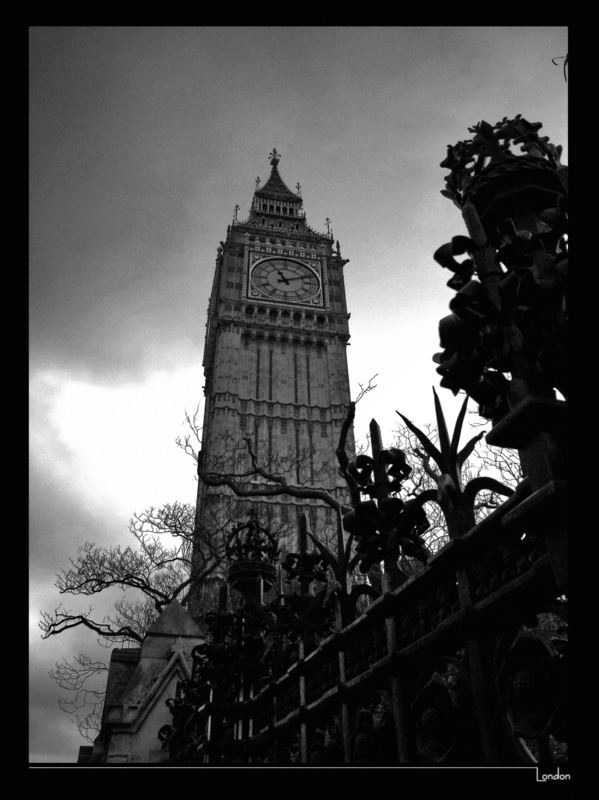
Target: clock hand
<point x="282" y="279"/>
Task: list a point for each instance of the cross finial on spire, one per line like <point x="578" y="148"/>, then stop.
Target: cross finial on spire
<point x="274" y="157"/>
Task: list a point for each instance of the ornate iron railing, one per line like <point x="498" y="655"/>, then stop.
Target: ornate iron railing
<point x="456" y="641"/>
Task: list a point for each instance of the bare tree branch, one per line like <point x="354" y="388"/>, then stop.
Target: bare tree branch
<point x="61" y="620"/>
<point x="341" y="452"/>
<point x="158" y="570"/>
<point x="365" y="389"/>
<point x="277" y="484"/>
<point x="82" y="677"/>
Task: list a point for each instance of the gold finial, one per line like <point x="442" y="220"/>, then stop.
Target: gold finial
<point x="329" y="229"/>
<point x="274" y="157"/>
<point x="298" y="188"/>
<point x="257" y="183"/>
<point x="235" y="210"/>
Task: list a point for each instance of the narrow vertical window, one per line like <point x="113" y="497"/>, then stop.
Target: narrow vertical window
<point x="270" y="374"/>
<point x="314" y="520"/>
<point x="311" y="450"/>
<point x="258" y="373"/>
<point x="295" y="375"/>
<point x="256" y="434"/>
<point x="297" y="453"/>
<point x="308" y="378"/>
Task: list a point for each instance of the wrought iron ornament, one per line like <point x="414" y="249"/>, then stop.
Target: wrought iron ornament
<point x="506" y="335"/>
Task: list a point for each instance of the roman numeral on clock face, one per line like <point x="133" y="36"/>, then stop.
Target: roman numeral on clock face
<point x="285" y="280"/>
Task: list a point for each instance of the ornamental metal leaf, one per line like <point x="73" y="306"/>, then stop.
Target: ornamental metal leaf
<point x="429" y="447"/>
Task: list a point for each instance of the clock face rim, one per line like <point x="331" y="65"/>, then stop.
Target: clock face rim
<point x="269" y="295"/>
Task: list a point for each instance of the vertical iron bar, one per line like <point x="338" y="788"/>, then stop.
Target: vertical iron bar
<point x="400" y="716"/>
<point x="345" y="727"/>
<point x="257" y="373"/>
<point x="478" y="677"/>
<point x="304" y="587"/>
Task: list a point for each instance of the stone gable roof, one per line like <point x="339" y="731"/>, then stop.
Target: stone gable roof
<point x="174" y="620"/>
<point x="135" y="671"/>
<point x="123" y="662"/>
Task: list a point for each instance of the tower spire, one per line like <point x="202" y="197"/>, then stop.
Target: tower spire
<point x="275" y="198"/>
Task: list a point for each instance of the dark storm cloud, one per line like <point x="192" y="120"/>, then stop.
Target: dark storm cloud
<point x="110" y="188"/>
<point x="60" y="523"/>
<point x="143" y="139"/>
<point x="52" y="733"/>
<point x="63" y="745"/>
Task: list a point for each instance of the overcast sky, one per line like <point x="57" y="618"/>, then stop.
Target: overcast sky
<point x="142" y="140"/>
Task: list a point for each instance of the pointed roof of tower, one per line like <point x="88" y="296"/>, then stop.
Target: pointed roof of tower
<point x="275" y="186"/>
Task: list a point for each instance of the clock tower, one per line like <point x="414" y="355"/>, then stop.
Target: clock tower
<point x="275" y="363"/>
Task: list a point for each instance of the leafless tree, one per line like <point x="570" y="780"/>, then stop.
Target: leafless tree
<point x="501" y="462"/>
<point x="83" y="678"/>
<point x="160" y="572"/>
<point x="149" y="574"/>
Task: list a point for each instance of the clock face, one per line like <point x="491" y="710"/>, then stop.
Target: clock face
<point x="285" y="280"/>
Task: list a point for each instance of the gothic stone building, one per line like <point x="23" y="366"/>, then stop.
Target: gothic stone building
<point x="275" y="363"/>
<point x="140" y="680"/>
